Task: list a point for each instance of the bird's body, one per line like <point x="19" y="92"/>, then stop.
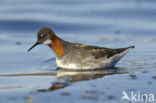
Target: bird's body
<point x="80" y="56"/>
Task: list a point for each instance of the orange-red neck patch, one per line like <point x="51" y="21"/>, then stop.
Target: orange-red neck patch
<point x="57" y="46"/>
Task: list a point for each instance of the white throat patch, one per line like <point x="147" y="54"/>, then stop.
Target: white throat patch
<point x="48" y="41"/>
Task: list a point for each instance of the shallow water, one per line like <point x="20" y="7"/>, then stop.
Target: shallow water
<point x="33" y="77"/>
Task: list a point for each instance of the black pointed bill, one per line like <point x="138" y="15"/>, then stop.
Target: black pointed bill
<point x="33" y="46"/>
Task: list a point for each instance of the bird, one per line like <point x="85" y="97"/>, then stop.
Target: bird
<point x="77" y="56"/>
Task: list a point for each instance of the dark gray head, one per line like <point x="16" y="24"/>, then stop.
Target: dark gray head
<point x="44" y="36"/>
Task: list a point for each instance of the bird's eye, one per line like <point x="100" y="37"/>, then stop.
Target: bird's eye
<point x="42" y="35"/>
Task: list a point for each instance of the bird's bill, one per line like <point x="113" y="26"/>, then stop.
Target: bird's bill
<point x="33" y="46"/>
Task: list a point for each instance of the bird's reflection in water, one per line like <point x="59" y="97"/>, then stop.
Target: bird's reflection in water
<point x="65" y="77"/>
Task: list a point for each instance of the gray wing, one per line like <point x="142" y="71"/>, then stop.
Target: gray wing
<point x="99" y="52"/>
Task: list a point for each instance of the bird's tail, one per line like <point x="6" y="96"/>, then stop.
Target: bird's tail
<point x="120" y="53"/>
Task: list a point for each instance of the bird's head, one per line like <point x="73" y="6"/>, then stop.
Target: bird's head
<point x="44" y="36"/>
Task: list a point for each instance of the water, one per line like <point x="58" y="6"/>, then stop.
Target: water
<point x="32" y="77"/>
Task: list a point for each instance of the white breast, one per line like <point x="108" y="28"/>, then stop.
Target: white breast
<point x="67" y="66"/>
